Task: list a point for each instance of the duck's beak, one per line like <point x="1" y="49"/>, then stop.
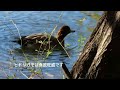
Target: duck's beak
<point x="72" y="30"/>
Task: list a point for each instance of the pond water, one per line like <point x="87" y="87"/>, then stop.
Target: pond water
<point x="16" y="23"/>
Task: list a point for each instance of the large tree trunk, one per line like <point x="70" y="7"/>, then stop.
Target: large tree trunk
<point x="100" y="57"/>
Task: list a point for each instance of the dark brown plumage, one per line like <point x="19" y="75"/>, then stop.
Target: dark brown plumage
<point x="44" y="41"/>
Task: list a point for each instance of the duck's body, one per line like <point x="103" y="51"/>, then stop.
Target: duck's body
<point x="44" y="41"/>
<point x="39" y="41"/>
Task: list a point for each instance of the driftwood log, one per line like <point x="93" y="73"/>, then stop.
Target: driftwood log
<point x="100" y="58"/>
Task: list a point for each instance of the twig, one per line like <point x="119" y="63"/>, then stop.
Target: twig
<point x="66" y="71"/>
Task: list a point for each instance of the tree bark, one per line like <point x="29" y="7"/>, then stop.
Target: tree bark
<point x="100" y="57"/>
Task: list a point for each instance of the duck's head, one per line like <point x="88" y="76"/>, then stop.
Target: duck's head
<point x="64" y="31"/>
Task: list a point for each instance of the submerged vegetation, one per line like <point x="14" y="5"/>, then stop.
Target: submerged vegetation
<point x="93" y="14"/>
<point x="81" y="40"/>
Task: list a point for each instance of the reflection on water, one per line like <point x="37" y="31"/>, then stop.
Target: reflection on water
<point x="29" y="22"/>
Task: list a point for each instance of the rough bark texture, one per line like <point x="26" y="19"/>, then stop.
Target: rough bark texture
<point x="100" y="57"/>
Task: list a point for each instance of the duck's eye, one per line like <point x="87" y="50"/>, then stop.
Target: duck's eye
<point x="61" y="34"/>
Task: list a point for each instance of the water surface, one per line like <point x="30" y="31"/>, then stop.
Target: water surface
<point x="15" y="23"/>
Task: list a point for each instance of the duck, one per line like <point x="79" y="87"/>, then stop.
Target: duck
<point x="44" y="41"/>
